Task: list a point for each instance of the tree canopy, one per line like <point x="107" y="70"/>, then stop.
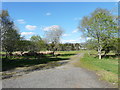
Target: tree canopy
<point x="101" y="26"/>
<point x="9" y="33"/>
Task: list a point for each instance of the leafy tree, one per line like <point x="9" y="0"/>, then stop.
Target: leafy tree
<point x="24" y="45"/>
<point x="38" y="43"/>
<point x="91" y="44"/>
<point x="112" y="46"/>
<point x="9" y="33"/>
<point x="77" y="46"/>
<point x="101" y="26"/>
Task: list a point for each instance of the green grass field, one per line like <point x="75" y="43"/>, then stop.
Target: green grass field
<point x="2" y="52"/>
<point x="107" y="67"/>
<point x="22" y="61"/>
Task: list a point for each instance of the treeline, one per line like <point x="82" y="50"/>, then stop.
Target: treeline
<point x="41" y="45"/>
<point x="12" y="41"/>
<point x="38" y="44"/>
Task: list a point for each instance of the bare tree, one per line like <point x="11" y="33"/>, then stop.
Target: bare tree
<point x="53" y="34"/>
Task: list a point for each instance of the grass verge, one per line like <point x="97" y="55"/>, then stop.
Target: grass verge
<point x="106" y="68"/>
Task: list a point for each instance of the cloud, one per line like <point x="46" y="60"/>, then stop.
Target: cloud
<point x="77" y="18"/>
<point x="48" y="14"/>
<point x="77" y="40"/>
<point x="88" y="38"/>
<point x="80" y="39"/>
<point x="27" y="33"/>
<point x="53" y="27"/>
<point x="21" y="21"/>
<point x="27" y="39"/>
<point x="76" y="30"/>
<point x="30" y="27"/>
<point x="66" y="35"/>
<point x="69" y="41"/>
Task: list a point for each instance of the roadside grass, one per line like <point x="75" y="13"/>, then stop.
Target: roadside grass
<point x="67" y="54"/>
<point x="2" y="52"/>
<point x="28" y="61"/>
<point x="106" y="68"/>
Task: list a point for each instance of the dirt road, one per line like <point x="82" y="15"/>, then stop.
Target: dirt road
<point x="65" y="76"/>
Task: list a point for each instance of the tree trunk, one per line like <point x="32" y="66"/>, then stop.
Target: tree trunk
<point x="99" y="52"/>
<point x="53" y="53"/>
<point x="100" y="56"/>
<point x="6" y="55"/>
<point x="22" y="52"/>
<point x="105" y="54"/>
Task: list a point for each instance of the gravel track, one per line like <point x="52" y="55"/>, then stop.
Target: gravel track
<point x="65" y="76"/>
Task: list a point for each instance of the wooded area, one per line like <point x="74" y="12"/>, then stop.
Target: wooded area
<point x="101" y="26"/>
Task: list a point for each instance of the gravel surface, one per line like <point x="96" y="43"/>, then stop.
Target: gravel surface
<point x="65" y="76"/>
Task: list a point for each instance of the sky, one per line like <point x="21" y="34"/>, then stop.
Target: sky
<point x="60" y="0"/>
<point x="32" y="18"/>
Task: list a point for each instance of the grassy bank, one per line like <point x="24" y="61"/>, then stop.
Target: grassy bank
<point x="107" y="67"/>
